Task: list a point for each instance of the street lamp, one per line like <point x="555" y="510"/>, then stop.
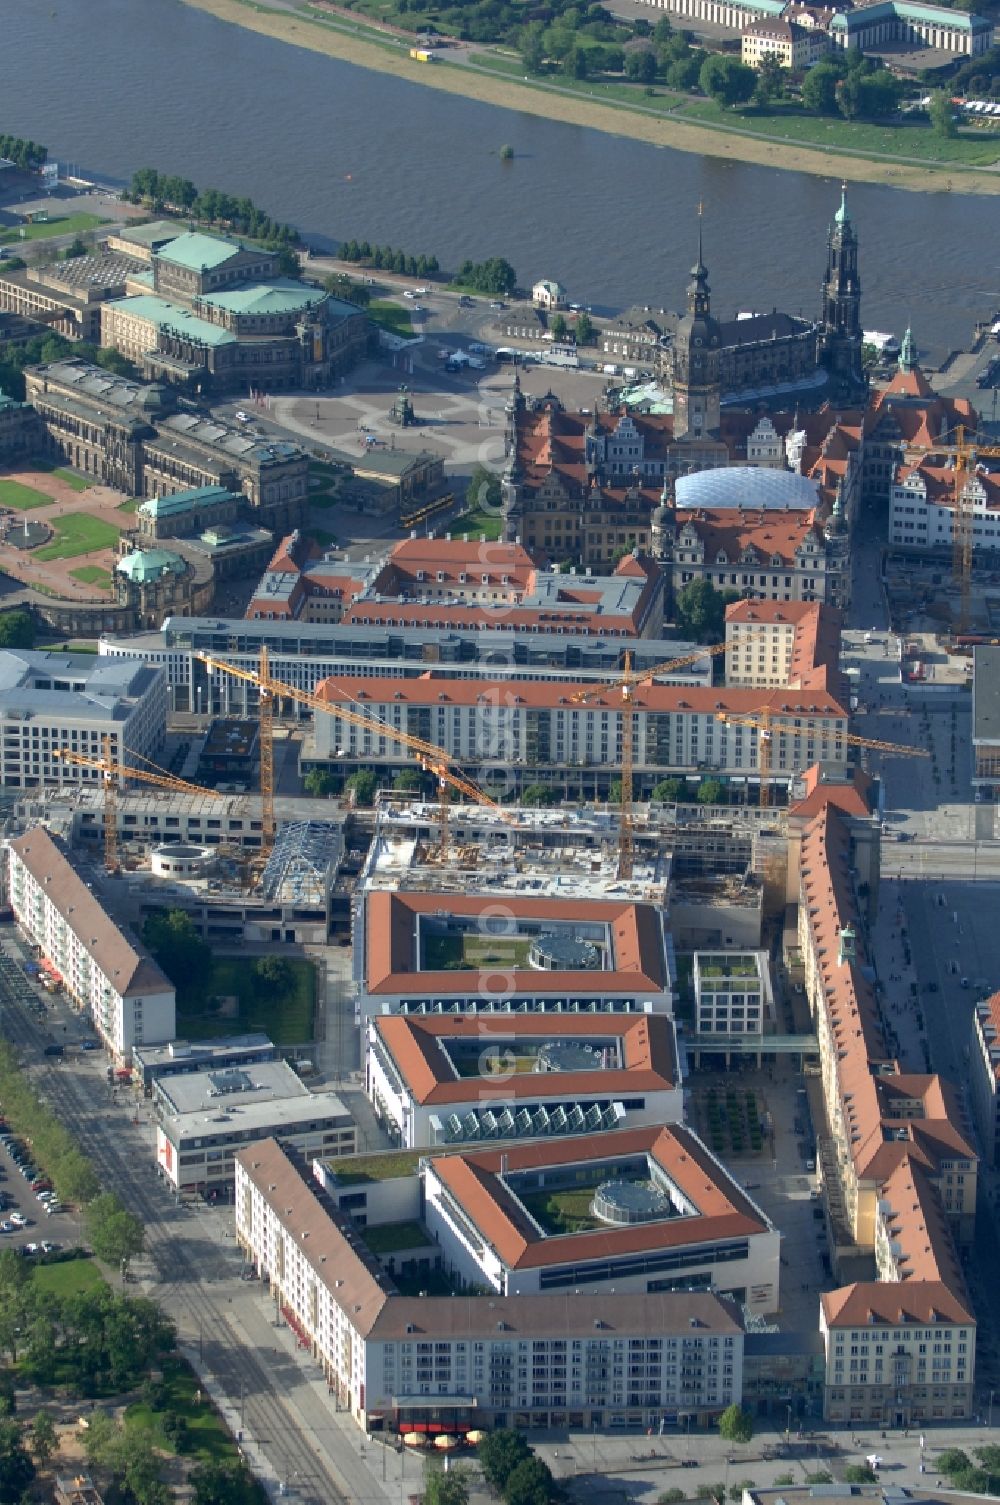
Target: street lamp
<point x="788" y="1422"/>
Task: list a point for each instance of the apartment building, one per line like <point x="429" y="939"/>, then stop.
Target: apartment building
<point x="771" y="643"/>
<point x="923" y="501"/>
<point x="776" y="556"/>
<point x="984" y="1076"/>
<point x="65" y="702"/>
<point x="442" y="1079"/>
<point x="205" y="1118"/>
<point x="106" y="973"/>
<point x="900" y="1173"/>
<point x="570" y="735"/>
<point x="664" y="1215"/>
<point x="794" y="46"/>
<point x="451" y="1364"/>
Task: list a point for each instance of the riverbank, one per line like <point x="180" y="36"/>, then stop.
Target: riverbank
<point x="680" y="135"/>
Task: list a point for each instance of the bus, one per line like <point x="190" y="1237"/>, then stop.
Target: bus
<point x="421" y="512"/>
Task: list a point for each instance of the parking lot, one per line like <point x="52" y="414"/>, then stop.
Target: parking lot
<point x="25" y="1224"/>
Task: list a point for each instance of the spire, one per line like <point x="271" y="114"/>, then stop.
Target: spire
<point x="842" y="217"/>
<point x="699" y="294"/>
<point x="907" y="352"/>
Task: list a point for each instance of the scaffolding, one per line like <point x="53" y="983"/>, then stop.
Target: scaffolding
<point x="302" y="863"/>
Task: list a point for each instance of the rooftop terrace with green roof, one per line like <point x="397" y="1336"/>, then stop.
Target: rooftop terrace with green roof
<point x="173" y="316"/>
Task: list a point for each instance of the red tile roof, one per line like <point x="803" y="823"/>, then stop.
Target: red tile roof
<point x="894" y="1303"/>
<point x="475" y="1179"/>
<point x="415" y="1043"/>
<point x="392" y="965"/>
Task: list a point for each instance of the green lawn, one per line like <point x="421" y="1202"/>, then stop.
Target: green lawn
<point x="355" y="1170"/>
<point x="475" y="523"/>
<point x="453" y="953"/>
<point x="390" y="1238"/>
<point x="207" y="1439"/>
<point x="128" y="506"/>
<point x="78" y="533"/>
<point x="68" y="1278"/>
<point x="391" y="316"/>
<point x="64" y="224"/>
<point x="23" y="498"/>
<point x="70" y="478"/>
<point x="92" y="574"/>
<point x="608" y="91"/>
<point x="562" y="1211"/>
<point x="286" y="1017"/>
<point x="914" y="138"/>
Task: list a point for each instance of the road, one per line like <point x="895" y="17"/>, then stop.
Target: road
<point x="292" y="1435"/>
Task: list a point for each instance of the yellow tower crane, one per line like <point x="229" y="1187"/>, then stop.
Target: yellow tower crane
<point x="767" y="724"/>
<point x="113" y="771"/>
<point x="431" y="758"/>
<point x="624" y="685"/>
<point x="965" y="453"/>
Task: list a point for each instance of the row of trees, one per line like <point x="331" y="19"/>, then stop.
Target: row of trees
<point x="24" y="154"/>
<point x="42" y="348"/>
<point x="979" y="1477"/>
<point x="212" y="207"/>
<point x="116" y="1236"/>
<point x="387" y="258"/>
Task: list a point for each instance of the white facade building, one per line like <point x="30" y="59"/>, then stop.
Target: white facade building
<point x="665" y="1215"/>
<point x="438" y="1079"/>
<point x="110" y="976"/>
<point x="67" y="701"/>
<point x="732" y="992"/>
<point x="572" y="733"/>
<point x="922" y="507"/>
<point x="984" y="1076"/>
<point x="453" y="1363"/>
<point x="207" y="1117"/>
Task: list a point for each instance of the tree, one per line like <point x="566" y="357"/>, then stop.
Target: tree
<point x="869" y="96"/>
<point x="532" y="46"/>
<point x="482" y="494"/>
<point x="557" y="327"/>
<point x="76" y="247"/>
<point x="819" y="89"/>
<point x="727" y="81"/>
<point x="942" y="114"/>
<point x="701" y="610"/>
<point x="363" y="785"/>
<point x="409" y="781"/>
<point x="17" y="629"/>
<point x="530" y="1483"/>
<point x="710" y="793"/>
<point x="771" y="77"/>
<point x="272" y="972"/>
<point x="860" y="1473"/>
<point x="451" y="1488"/>
<point x="113" y="361"/>
<point x="585" y="330"/>
<point x="74" y="1178"/>
<point x="16" y="1468"/>
<point x="495" y="277"/>
<point x="952" y="1461"/>
<point x="640" y="66"/>
<point x="319" y="783"/>
<point x="736" y="1490"/>
<point x="44" y="1437"/>
<point x="735" y="1424"/>
<point x="683" y="72"/>
<point x="175" y="943"/>
<point x="538" y="794"/>
<point x="222" y="1484"/>
<point x="499" y="1455"/>
<point x="671" y="1497"/>
<point x="116" y="1236"/>
<point x="668" y="790"/>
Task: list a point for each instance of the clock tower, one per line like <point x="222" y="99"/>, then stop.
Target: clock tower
<point x="696" y="359"/>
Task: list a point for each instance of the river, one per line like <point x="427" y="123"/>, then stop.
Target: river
<point x="112" y="85"/>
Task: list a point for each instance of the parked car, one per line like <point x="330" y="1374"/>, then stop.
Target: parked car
<point x="89" y="1045"/>
<point x="18" y="1219"/>
<point x="51" y="1207"/>
<point x="8" y="1227"/>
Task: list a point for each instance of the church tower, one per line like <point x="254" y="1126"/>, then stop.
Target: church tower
<point x="511" y="500"/>
<point x="907" y="352"/>
<point x="840" y="332"/>
<point x="697" y="389"/>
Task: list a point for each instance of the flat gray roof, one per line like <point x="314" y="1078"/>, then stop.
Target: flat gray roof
<point x="986" y="694"/>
